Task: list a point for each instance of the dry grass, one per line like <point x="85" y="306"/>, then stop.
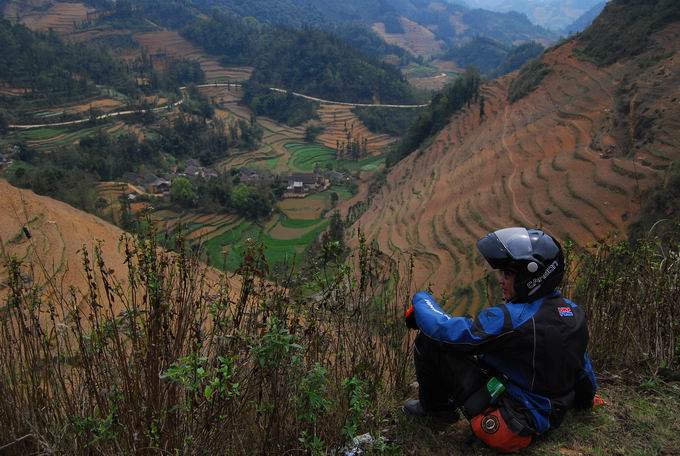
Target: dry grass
<point x="57" y="232"/>
<point x="173" y="362"/>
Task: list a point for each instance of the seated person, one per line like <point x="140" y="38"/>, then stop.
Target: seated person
<point x="516" y="368"/>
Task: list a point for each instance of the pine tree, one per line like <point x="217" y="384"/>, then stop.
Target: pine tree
<point x="482" y="114"/>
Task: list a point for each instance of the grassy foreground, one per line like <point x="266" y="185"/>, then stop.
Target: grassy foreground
<point x="640" y="418"/>
<point x="177" y="359"/>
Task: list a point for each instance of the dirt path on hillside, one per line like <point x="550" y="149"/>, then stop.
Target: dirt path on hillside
<point x="178" y="103"/>
<point x="513" y="194"/>
<point x="342" y="103"/>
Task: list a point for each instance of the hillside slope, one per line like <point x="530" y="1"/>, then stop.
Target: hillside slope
<point x="572" y="157"/>
<point x="58" y="233"/>
<point x="52" y="256"/>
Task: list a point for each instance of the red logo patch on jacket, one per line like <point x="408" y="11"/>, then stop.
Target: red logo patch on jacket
<point x="565" y="311"/>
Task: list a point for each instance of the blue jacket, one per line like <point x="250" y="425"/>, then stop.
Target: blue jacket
<point x="537" y="348"/>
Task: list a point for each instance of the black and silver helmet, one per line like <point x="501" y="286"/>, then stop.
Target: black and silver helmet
<point x="533" y="256"/>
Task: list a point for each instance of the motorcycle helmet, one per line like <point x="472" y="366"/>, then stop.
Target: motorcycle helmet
<point x="535" y="258"/>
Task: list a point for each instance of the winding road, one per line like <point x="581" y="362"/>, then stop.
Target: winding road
<point x="341" y="103"/>
<point x="178" y="103"/>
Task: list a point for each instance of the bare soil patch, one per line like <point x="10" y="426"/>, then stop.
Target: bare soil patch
<point x="60" y="17"/>
<point x="58" y="233"/>
<point x="416" y="38"/>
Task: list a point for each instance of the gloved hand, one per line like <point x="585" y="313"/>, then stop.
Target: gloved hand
<point x="410" y="318"/>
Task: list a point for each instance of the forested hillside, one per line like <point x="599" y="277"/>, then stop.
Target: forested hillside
<point x="44" y="65"/>
<point x="455" y="25"/>
<point x="308" y="60"/>
<point x="492" y="58"/>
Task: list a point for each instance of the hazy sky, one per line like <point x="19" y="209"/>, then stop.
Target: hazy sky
<point x="554" y="14"/>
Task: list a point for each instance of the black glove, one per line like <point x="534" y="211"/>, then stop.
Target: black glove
<point x="410" y="318"/>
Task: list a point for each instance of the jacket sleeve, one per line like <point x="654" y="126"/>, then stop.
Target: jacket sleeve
<point x="586" y="385"/>
<point x="490" y="324"/>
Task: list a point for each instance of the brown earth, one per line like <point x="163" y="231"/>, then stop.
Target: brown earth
<point x="60" y="17"/>
<point x="58" y="234"/>
<point x="10" y="91"/>
<point x="52" y="256"/>
<point x="302" y="208"/>
<point x="173" y="44"/>
<point x="340" y="123"/>
<point x="415" y="39"/>
<point x="559" y="158"/>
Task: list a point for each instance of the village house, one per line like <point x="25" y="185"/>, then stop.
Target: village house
<point x="304" y="182"/>
<point x="194" y="169"/>
<point x="249" y="175"/>
<point x="150" y="183"/>
<point x="338" y="178"/>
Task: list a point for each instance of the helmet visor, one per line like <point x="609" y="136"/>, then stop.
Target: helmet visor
<point x="516" y="242"/>
<point x="501" y="248"/>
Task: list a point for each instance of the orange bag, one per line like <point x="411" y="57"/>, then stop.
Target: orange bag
<point x="491" y="428"/>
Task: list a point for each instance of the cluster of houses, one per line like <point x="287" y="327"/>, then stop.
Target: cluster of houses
<point x="298" y="185"/>
<point x="150" y="183"/>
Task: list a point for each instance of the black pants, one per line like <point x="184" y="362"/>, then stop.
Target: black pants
<point x="446" y="377"/>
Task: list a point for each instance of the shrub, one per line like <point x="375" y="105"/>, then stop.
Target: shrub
<point x="172" y="362"/>
<point x="528" y="79"/>
<point x="435" y="117"/>
<point x="630" y="293"/>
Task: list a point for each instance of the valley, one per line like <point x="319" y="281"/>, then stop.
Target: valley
<point x="216" y="215"/>
<point x="295" y="223"/>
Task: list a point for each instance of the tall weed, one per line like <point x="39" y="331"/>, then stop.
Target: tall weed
<point x="174" y="360"/>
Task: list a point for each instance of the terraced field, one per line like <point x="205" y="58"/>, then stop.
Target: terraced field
<point x="61" y="17"/>
<point x="224" y="237"/>
<point x="340" y="124"/>
<point x="281" y="143"/>
<point x="173" y="44"/>
<point x="433" y="76"/>
<point x="47" y="139"/>
<point x="543" y="161"/>
<point x="416" y="39"/>
<point x="306" y="157"/>
<point x="272" y="154"/>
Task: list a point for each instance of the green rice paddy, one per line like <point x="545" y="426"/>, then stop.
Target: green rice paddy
<point x="306" y="157"/>
<point x="284" y="237"/>
<point x="226" y="250"/>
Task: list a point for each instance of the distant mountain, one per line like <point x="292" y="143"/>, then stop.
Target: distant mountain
<point x="585" y="20"/>
<point x="451" y="23"/>
<point x="552" y="14"/>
